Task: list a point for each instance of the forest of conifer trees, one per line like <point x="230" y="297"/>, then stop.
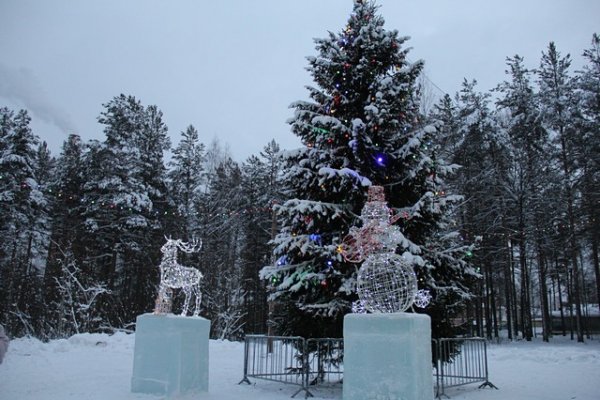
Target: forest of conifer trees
<point x="81" y="230"/>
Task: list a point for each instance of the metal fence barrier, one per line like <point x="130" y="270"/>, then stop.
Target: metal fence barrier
<point x="459" y="362"/>
<point x="324" y="361"/>
<point x="276" y="358"/>
<point x="318" y="362"/>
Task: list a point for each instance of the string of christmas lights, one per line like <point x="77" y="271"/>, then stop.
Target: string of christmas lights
<point x="386" y="282"/>
<point x="175" y="276"/>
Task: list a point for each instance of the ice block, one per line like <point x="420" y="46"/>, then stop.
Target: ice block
<point x="387" y="356"/>
<point x="170" y="355"/>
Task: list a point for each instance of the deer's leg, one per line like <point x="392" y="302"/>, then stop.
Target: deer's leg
<point x="188" y="293"/>
<point x="198" y="296"/>
<point x="159" y="306"/>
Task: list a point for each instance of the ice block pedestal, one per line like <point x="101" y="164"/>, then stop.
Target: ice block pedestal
<point x="171" y="354"/>
<point x="387" y="356"/>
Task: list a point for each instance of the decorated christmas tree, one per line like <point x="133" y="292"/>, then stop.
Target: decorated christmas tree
<point x="361" y="128"/>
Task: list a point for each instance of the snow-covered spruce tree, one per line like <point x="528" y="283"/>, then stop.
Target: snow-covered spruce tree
<point x="529" y="190"/>
<point x="20" y="204"/>
<point x="589" y="85"/>
<point x="67" y="228"/>
<point x="221" y="230"/>
<point x="361" y="128"/>
<point x="261" y="190"/>
<point x="45" y="165"/>
<point x="125" y="200"/>
<point x="483" y="153"/>
<point x="560" y="114"/>
<point x="185" y="180"/>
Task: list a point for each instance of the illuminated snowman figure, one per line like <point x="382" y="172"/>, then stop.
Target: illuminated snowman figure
<point x="386" y="282"/>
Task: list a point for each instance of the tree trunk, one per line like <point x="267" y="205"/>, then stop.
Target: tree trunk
<point x="546" y="328"/>
<point x="487" y="300"/>
<point x="494" y="310"/>
<point x="27" y="263"/>
<point x="270" y="322"/>
<point x="525" y="300"/>
<point x="560" y="304"/>
<point x="479" y="312"/>
<point x="595" y="262"/>
<point x="570" y="301"/>
<point x="572" y="238"/>
<point x="576" y="286"/>
<point x="513" y="284"/>
<point x="507" y="293"/>
<point x="585" y="300"/>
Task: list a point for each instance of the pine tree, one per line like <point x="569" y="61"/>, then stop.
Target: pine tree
<point x="44" y="171"/>
<point x="528" y="144"/>
<point x="67" y="229"/>
<point x="186" y="177"/>
<point x="449" y="138"/>
<point x="126" y="199"/>
<point x="221" y="229"/>
<point x="559" y="114"/>
<point x="589" y="152"/>
<point x="477" y="145"/>
<point x="20" y="200"/>
<point x="260" y="185"/>
<point x="149" y="237"/>
<point x="361" y="128"/>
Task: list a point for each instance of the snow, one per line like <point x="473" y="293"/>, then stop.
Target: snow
<point x="591" y="310"/>
<point x="99" y="367"/>
<point x="330" y="173"/>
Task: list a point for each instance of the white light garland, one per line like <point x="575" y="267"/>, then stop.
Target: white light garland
<point x="358" y="307"/>
<point x="377" y="233"/>
<point x="422" y="298"/>
<point x="386" y="282"/>
<point x="175" y="276"/>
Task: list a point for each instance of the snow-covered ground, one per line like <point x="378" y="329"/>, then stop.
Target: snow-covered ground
<point x="98" y="367"/>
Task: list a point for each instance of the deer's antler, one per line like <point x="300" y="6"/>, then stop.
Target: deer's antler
<point x="189" y="247"/>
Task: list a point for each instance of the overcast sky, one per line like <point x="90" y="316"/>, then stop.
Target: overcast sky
<point x="232" y="67"/>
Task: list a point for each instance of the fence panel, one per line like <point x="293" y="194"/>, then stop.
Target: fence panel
<point x="460" y="362"/>
<point x="325" y="361"/>
<point x="315" y="362"/>
<point x="276" y="358"/>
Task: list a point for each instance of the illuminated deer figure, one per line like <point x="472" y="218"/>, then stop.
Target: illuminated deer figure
<point x="176" y="276"/>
